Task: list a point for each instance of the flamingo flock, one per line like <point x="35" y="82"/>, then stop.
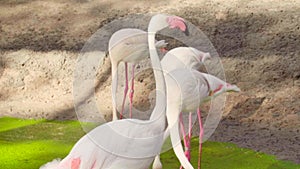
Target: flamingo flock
<point x="180" y="88"/>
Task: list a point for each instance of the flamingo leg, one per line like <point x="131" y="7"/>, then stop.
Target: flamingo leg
<point x="185" y="139"/>
<point x="114" y="86"/>
<point x="125" y="90"/>
<point x="131" y="91"/>
<point x="189" y="138"/>
<point x="200" y="137"/>
<point x="175" y="135"/>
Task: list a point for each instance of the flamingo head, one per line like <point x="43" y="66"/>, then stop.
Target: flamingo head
<point x="163" y="50"/>
<point x="178" y="22"/>
<point x="232" y="88"/>
<point x="161" y="21"/>
<point x="161" y="45"/>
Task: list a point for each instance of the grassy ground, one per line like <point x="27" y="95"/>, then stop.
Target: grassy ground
<point x="27" y="144"/>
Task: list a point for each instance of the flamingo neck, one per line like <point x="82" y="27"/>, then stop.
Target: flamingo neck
<point x="159" y="112"/>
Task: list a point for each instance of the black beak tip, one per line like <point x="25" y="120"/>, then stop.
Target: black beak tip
<point x="186" y="32"/>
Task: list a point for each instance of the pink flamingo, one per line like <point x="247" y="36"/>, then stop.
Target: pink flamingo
<point x="126" y="143"/>
<point x="189" y="88"/>
<point x="128" y="46"/>
<point x="178" y="58"/>
<point x="190" y="58"/>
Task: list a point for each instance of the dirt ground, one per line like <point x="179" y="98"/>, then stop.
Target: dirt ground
<point x="258" y="42"/>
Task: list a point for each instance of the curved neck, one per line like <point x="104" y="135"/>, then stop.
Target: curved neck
<point x="160" y="93"/>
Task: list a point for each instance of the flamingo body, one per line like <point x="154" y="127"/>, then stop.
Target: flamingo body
<point x="96" y="150"/>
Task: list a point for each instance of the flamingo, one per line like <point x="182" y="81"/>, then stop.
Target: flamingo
<point x="190" y="58"/>
<point x="184" y="57"/>
<point x="122" y="48"/>
<point x="127" y="143"/>
<point x="186" y="90"/>
<point x="217" y="87"/>
<point x="180" y="58"/>
<point x="128" y="46"/>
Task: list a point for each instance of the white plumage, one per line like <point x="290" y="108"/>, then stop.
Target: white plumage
<point x="127" y="143"/>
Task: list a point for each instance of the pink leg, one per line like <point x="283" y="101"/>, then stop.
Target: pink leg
<point x="189" y="138"/>
<point x="200" y="137"/>
<point x="184" y="137"/>
<point x="125" y="90"/>
<point x="131" y="92"/>
<point x="75" y="163"/>
<point x="182" y="130"/>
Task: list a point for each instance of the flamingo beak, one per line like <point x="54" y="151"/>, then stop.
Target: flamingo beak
<point x="186" y="32"/>
<point x="232" y="88"/>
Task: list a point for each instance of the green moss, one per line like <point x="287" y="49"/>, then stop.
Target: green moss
<point x="216" y="155"/>
<point x="30" y="154"/>
<point x="8" y="123"/>
<point x="27" y="144"/>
